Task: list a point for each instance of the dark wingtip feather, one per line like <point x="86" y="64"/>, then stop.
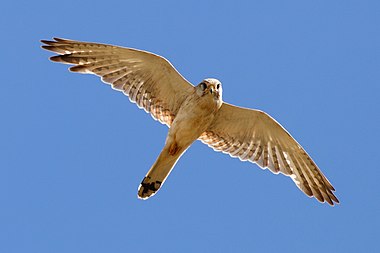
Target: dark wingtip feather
<point x="78" y="69"/>
<point x="328" y="200"/>
<point x="49" y="48"/>
<point x="48" y="42"/>
<point x="334" y="198"/>
<point x="56" y="58"/>
<point x="331" y="199"/>
<point x="318" y="195"/>
<point x="62" y="40"/>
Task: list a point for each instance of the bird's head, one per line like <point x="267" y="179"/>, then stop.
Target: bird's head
<point x="210" y="87"/>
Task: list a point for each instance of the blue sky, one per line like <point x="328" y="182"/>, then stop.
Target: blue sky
<point x="73" y="151"/>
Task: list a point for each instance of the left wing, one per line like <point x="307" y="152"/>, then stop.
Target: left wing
<point x="254" y="136"/>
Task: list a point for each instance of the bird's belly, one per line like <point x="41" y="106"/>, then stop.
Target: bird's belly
<point x="190" y="122"/>
<point x="188" y="129"/>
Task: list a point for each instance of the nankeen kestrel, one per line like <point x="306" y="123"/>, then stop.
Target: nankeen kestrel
<point x="191" y="113"/>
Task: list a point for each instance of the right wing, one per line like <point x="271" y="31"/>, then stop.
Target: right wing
<point x="147" y="79"/>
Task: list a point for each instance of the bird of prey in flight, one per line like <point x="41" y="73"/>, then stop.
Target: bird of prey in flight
<point x="193" y="113"/>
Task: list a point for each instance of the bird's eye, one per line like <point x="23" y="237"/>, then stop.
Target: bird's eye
<point x="203" y="86"/>
<point x="217" y="86"/>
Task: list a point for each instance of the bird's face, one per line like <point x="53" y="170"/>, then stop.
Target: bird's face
<point x="210" y="87"/>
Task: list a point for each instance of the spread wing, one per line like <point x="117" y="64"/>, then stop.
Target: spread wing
<point x="147" y="79"/>
<point x="254" y="136"/>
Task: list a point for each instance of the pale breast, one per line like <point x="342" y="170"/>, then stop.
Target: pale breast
<point x="193" y="118"/>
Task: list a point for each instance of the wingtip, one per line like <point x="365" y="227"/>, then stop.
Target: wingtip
<point x="332" y="200"/>
<point x="56" y="58"/>
<point x="49" y="48"/>
<point x="329" y="201"/>
<point x="45" y="41"/>
<point x="79" y="69"/>
<point x="59" y="39"/>
<point x="63" y="40"/>
<point x="335" y="199"/>
<point x="55" y="41"/>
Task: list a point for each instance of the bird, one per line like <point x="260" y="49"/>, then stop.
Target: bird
<point x="193" y="112"/>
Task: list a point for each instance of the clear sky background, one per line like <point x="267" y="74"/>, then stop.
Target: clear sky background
<point x="73" y="151"/>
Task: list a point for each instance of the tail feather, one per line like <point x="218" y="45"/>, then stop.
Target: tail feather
<point x="157" y="174"/>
